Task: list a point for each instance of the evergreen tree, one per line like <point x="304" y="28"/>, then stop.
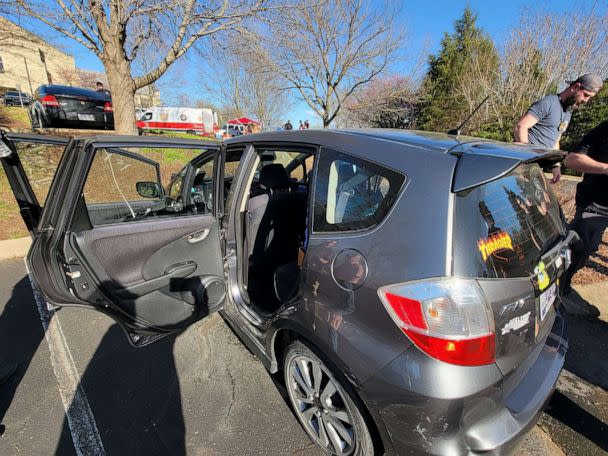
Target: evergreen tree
<point x="452" y="84"/>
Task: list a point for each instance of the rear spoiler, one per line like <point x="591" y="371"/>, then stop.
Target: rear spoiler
<point x="484" y="162"/>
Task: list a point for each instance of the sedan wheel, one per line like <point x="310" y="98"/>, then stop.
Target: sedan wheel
<point x="324" y="408"/>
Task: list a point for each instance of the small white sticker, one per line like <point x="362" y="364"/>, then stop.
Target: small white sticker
<point x="558" y="262"/>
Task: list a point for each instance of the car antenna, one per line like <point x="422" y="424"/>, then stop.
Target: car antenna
<point x="457" y="131"/>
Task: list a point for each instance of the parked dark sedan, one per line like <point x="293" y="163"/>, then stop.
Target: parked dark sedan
<point x="15" y="98"/>
<point x="75" y="107"/>
<point x="405" y="284"/>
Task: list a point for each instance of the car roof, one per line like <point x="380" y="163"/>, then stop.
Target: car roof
<point x="421" y="141"/>
<point x="431" y="142"/>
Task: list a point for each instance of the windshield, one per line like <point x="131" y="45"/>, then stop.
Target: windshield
<point x="503" y="228"/>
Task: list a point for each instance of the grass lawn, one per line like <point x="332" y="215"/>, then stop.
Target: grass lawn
<point x="14" y="118"/>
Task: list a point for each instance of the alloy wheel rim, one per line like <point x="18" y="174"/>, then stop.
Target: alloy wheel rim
<point x="320" y="406"/>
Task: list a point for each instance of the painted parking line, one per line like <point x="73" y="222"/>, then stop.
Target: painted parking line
<point x="80" y="418"/>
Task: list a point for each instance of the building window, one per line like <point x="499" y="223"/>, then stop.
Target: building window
<point x="1" y="65"/>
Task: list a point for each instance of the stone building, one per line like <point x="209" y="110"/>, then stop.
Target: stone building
<point x="27" y="61"/>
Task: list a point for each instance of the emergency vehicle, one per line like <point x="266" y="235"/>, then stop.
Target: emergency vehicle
<point x="196" y="121"/>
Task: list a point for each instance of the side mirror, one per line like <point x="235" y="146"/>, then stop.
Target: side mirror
<point x="148" y="189"/>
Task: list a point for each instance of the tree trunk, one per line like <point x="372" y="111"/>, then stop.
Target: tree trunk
<point x="122" y="88"/>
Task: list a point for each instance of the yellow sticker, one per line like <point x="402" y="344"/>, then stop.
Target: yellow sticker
<point x="494" y="243"/>
<point x="541" y="275"/>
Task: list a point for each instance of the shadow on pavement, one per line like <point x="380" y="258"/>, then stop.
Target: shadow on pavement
<point x="20" y="336"/>
<point x="135" y="395"/>
<point x="579" y="420"/>
<point x="588" y="348"/>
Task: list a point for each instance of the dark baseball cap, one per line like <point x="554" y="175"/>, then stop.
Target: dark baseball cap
<point x="591" y="82"/>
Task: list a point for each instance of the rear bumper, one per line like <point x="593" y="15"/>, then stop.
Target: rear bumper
<point x="59" y="117"/>
<point x="423" y="406"/>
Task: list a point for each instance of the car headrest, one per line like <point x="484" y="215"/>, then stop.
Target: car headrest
<point x="274" y="176"/>
<point x="345" y="173"/>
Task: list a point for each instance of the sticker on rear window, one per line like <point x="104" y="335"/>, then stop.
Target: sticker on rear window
<point x="542" y="276"/>
<point x="494" y="244"/>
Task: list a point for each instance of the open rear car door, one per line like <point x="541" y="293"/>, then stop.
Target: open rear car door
<point x="111" y="238"/>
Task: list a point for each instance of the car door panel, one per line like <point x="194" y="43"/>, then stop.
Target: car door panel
<point x="153" y="270"/>
<point x="154" y="275"/>
<point x="101" y="213"/>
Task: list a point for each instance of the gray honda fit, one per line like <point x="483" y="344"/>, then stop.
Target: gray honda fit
<point x="404" y="285"/>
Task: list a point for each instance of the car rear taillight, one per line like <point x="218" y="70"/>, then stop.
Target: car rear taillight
<point x="49" y="100"/>
<point x="446" y="318"/>
<point x="107" y="107"/>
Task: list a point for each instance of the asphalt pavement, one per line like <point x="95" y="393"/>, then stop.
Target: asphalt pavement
<point x="81" y="389"/>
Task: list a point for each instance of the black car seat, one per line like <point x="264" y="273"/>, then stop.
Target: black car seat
<point x="275" y="227"/>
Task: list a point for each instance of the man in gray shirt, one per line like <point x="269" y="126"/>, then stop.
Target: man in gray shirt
<point x="548" y="118"/>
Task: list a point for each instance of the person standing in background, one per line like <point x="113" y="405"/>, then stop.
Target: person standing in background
<point x="591" y="219"/>
<point x="548" y="118"/>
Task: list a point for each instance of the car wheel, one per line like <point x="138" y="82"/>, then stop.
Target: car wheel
<point x="327" y="411"/>
<point x="33" y="119"/>
<point x="39" y="120"/>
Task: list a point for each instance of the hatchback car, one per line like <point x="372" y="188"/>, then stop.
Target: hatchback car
<point x="15" y="98"/>
<point x="75" y="107"/>
<point x="403" y="284"/>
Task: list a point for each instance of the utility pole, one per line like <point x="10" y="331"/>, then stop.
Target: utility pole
<point x="28" y="77"/>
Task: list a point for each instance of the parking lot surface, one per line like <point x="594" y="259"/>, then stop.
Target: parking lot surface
<point x="81" y="389"/>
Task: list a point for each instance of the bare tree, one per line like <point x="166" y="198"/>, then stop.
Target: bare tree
<point x="116" y="30"/>
<point x="328" y="50"/>
<point x="244" y="83"/>
<point x="81" y="78"/>
<point x="387" y="102"/>
<point x="543" y="51"/>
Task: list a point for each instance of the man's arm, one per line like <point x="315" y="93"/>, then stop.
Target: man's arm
<point x="585" y="164"/>
<point x="520" y="131"/>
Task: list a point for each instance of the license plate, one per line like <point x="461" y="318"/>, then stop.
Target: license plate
<point x="546" y="300"/>
<point x="89" y="117"/>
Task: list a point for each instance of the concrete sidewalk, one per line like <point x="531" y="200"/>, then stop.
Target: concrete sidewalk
<point x="14" y="248"/>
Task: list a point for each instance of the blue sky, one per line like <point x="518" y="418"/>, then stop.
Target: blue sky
<point x="425" y="22"/>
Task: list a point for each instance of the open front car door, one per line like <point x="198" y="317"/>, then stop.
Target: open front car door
<point x="126" y="232"/>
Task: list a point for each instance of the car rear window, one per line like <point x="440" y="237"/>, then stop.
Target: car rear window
<point x="74" y="91"/>
<point x="502" y="228"/>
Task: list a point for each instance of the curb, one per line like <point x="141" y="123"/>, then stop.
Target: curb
<point x="14" y="248"/>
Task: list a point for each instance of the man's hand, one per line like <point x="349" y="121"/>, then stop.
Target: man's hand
<point x="557" y="174"/>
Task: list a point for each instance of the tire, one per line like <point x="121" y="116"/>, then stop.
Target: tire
<point x="324" y="405"/>
<point x="40" y="120"/>
<point x="190" y="132"/>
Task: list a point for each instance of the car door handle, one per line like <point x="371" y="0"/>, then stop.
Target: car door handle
<point x="176" y="271"/>
<point x="197" y="236"/>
